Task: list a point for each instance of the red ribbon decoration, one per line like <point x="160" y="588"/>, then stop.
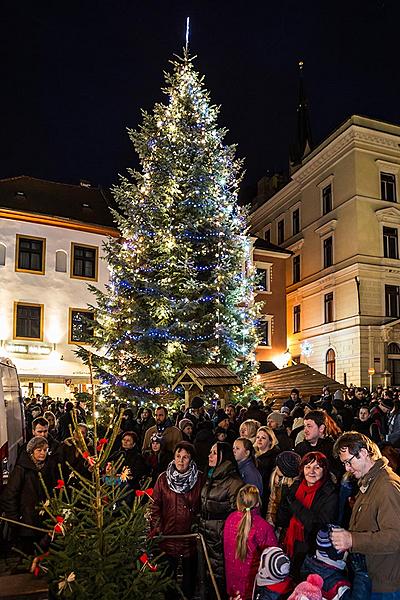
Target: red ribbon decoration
<point x="60" y="484"/>
<point x="144" y="559"/>
<point x="58" y="528"/>
<point x="148" y="492"/>
<point x="102" y="442"/>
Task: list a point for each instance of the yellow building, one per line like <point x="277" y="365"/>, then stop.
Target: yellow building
<point x="339" y="215"/>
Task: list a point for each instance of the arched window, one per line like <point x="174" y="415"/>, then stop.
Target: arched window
<point x="330" y="363"/>
<point x="61" y="261"/>
<point x="393" y="348"/>
<point x="2" y="255"/>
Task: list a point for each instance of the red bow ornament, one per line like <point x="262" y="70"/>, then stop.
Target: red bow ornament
<point x="90" y="459"/>
<point x="102" y="442"/>
<point x="59" y="526"/>
<point x="144" y="559"/>
<point x="60" y="484"/>
<point x="148" y="492"/>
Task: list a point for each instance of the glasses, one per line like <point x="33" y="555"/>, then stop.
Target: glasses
<point x="347" y="463"/>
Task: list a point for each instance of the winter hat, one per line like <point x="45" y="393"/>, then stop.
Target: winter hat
<point x="277" y="417"/>
<point x="197" y="402"/>
<point x="184" y="422"/>
<point x="326" y="552"/>
<point x="386" y="402"/>
<point x="157" y="438"/>
<point x="289" y="463"/>
<point x="221" y="416"/>
<point x="310" y="589"/>
<point x="285" y="410"/>
<point x="274" y="566"/>
<point x="338" y="395"/>
<point x="36" y="442"/>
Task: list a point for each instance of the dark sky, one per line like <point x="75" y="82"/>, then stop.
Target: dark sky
<point x="75" y="74"/>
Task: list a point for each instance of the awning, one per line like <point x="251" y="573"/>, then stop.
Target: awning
<point x="52" y="371"/>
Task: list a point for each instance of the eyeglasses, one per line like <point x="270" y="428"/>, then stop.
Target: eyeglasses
<point x="347" y="463"/>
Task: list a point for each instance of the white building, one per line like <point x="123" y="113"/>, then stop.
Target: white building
<point x="51" y="238"/>
<point x="339" y="215"/>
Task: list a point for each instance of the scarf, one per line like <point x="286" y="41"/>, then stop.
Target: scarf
<point x="180" y="483"/>
<point x="295" y="532"/>
<point x="163" y="426"/>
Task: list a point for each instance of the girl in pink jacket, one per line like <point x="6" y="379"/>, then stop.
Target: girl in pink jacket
<point x="246" y="534"/>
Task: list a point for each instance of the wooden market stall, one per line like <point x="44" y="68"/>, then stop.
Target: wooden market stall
<point x="308" y="381"/>
<point x="196" y="379"/>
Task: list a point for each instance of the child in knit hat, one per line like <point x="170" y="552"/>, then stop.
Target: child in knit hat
<point x="331" y="566"/>
<point x="310" y="589"/>
<point x="272" y="579"/>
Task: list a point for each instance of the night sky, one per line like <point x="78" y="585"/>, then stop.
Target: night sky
<point x="74" y="75"/>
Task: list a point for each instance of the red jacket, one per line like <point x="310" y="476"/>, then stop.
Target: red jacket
<point x="174" y="514"/>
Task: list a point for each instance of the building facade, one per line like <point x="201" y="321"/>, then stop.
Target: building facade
<point x="51" y="248"/>
<point x="340" y="216"/>
<point x="270" y="262"/>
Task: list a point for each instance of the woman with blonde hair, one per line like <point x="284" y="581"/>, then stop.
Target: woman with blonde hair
<point x="248" y="429"/>
<point x="246" y="535"/>
<point x="267" y="450"/>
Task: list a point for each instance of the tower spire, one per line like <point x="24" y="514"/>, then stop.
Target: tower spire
<point x="303" y="141"/>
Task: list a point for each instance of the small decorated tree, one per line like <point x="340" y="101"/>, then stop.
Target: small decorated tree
<point x="99" y="546"/>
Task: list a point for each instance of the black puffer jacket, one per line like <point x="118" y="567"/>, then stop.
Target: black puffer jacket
<point x="323" y="511"/>
<point x="24" y="492"/>
<point x="218" y="500"/>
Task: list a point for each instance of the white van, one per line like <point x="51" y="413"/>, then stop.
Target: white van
<point x="12" y="424"/>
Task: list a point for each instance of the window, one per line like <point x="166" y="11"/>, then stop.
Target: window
<point x="265" y="330"/>
<point x="281" y="231"/>
<point x="296" y="221"/>
<point x="2" y="255"/>
<point x="327" y="199"/>
<point x="28" y="321"/>
<point x="328" y="252"/>
<point x="267" y="235"/>
<point x="296" y="268"/>
<point x="390" y="243"/>
<point x="328" y="307"/>
<point x="84" y="261"/>
<point x="392" y="301"/>
<point x="388" y="187"/>
<point x="330" y="363"/>
<point x="296" y="318"/>
<point x="80" y="325"/>
<point x="30" y="253"/>
<point x="61" y="261"/>
<point x="263" y="279"/>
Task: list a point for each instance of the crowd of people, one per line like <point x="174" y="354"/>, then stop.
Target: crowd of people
<point x="304" y="497"/>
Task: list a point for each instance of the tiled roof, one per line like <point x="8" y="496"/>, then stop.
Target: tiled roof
<point x="75" y="202"/>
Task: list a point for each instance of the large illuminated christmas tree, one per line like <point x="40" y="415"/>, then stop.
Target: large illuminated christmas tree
<point x="181" y="287"/>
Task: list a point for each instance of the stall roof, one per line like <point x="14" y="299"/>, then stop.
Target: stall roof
<point x="307" y="380"/>
<point x="209" y="375"/>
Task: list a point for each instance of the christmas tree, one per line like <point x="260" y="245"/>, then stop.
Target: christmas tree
<point x="181" y="280"/>
<point x="97" y="545"/>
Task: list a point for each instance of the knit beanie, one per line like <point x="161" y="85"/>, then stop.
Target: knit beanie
<point x="326" y="552"/>
<point x="274" y="567"/>
<point x="197" y="402"/>
<point x="157" y="438"/>
<point x="310" y="589"/>
<point x="289" y="463"/>
<point x="36" y="442"/>
<point x="184" y="422"/>
<point x="277" y="417"/>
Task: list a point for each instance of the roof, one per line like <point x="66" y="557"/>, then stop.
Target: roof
<point x="307" y="380"/>
<point x="207" y="376"/>
<point x="74" y="202"/>
<point x="260" y="244"/>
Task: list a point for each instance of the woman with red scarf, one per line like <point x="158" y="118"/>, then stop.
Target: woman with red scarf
<point x="311" y="503"/>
